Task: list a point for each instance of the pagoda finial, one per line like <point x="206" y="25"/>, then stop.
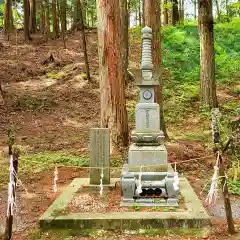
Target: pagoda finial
<point x="147" y="65"/>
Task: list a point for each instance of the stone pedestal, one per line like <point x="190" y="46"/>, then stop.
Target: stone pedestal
<point x="147" y="155"/>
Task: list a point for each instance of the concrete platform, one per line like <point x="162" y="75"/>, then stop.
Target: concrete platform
<point x="195" y="217"/>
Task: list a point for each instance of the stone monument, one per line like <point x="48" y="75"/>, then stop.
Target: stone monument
<point x="145" y="178"/>
<point x="99" y="155"/>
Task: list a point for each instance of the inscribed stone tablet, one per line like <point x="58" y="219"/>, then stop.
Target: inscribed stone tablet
<point x="147" y="116"/>
<point x="99" y="155"/>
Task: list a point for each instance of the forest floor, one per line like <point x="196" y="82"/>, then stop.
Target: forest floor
<point x="51" y="108"/>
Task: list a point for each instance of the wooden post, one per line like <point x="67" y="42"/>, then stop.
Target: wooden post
<point x="99" y="155"/>
<point x="14" y="155"/>
<point x="221" y="149"/>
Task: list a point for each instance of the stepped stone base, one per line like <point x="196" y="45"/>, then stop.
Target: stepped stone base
<point x="195" y="217"/>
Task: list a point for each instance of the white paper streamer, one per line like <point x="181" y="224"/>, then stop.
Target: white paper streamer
<point x="11" y="200"/>
<point x="176" y="179"/>
<point x="55" y="179"/>
<point x="11" y="189"/>
<point x="101" y="183"/>
<point x="213" y="192"/>
<point x="139" y="186"/>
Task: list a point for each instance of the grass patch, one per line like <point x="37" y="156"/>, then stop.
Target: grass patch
<point x="30" y="164"/>
<point x="60" y="212"/>
<point x="32" y="103"/>
<point x="234" y="187"/>
<point x="131" y="106"/>
<point x="55" y="75"/>
<point x="47" y="160"/>
<point x="59" y="234"/>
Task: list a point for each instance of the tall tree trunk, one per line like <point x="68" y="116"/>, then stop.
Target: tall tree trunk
<point x="170" y="13"/>
<point x="63" y="6"/>
<point x="143" y="13"/>
<point x="227" y="10"/>
<point x="207" y="60"/>
<point x="42" y="18"/>
<point x="175" y="13"/>
<point x="84" y="11"/>
<point x="26" y="20"/>
<point x="218" y="11"/>
<point x="58" y="17"/>
<point x="195" y="10"/>
<point x="63" y="20"/>
<point x="153" y="20"/>
<point x="33" y="15"/>
<point x="165" y="21"/>
<point x="139" y="13"/>
<point x="112" y="96"/>
<point x="136" y="17"/>
<point x="84" y="42"/>
<point x="54" y="19"/>
<point x="124" y="36"/>
<point x="183" y="12"/>
<point x="92" y="17"/>
<point x="8" y="19"/>
<point x="180" y="10"/>
<point x="129" y="12"/>
<point x="47" y="31"/>
<point x="77" y="15"/>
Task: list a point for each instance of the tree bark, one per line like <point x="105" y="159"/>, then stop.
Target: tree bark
<point x="143" y="13"/>
<point x="112" y="96"/>
<point x="124" y="36"/>
<point x="54" y="19"/>
<point x="227" y="10"/>
<point x="63" y="5"/>
<point x="139" y="13"/>
<point x="42" y="18"/>
<point x="218" y="11"/>
<point x="58" y="17"/>
<point x="207" y="60"/>
<point x="8" y="19"/>
<point x="26" y="20"/>
<point x="165" y="21"/>
<point x="175" y="13"/>
<point x="181" y="11"/>
<point x="77" y="15"/>
<point x="170" y="13"/>
<point x="63" y="20"/>
<point x="33" y="15"/>
<point x="153" y="20"/>
<point x="84" y="42"/>
<point x="129" y="13"/>
<point x="47" y="31"/>
<point x="195" y="10"/>
<point x="92" y="17"/>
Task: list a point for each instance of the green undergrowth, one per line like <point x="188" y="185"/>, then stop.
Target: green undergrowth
<point x="32" y="103"/>
<point x="185" y="118"/>
<point x="30" y="164"/>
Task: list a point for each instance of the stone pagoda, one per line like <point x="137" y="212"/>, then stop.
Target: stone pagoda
<point x="145" y="177"/>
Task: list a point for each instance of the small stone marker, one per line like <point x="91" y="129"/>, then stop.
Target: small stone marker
<point x="99" y="155"/>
